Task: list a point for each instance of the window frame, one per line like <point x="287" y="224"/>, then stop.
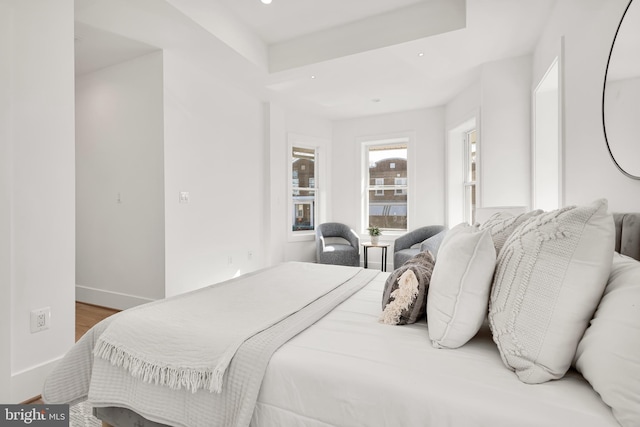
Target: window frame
<point x="363" y="145"/>
<point x="321" y="179"/>
<point x="455" y="168"/>
<point x="469" y="184"/>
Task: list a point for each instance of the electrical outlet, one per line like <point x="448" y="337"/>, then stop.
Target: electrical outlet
<point x="40" y="319"/>
<point x="250" y="255"/>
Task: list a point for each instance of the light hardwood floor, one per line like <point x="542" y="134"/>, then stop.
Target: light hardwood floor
<point x="87" y="315"/>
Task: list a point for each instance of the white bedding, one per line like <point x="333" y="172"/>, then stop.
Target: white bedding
<point x="234" y="405"/>
<point x="188" y="341"/>
<point x="246" y="319"/>
<point x="350" y="370"/>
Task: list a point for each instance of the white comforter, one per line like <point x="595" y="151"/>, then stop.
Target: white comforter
<point x="188" y="341"/>
<point x="237" y="325"/>
<point x="349" y="370"/>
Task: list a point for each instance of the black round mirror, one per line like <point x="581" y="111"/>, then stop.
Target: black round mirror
<point x="621" y="94"/>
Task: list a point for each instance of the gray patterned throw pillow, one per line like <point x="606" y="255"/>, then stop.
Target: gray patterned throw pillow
<point x="405" y="292"/>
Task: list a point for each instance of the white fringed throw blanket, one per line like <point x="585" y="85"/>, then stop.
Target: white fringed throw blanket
<point x="188" y="341"/>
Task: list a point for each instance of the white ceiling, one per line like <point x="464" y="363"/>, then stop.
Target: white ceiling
<point x="391" y="76"/>
<point x="284" y="20"/>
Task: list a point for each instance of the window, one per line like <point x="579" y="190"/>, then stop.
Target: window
<point x="470" y="148"/>
<point x="306" y="163"/>
<point x="385" y="191"/>
<point x="379" y="187"/>
<point x="401" y="184"/>
<point x="303" y="188"/>
<point x="463" y="159"/>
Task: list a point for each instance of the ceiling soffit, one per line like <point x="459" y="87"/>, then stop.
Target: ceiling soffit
<point x="402" y="25"/>
<point x="407" y="23"/>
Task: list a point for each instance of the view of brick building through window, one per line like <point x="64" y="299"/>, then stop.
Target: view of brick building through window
<point x="303" y="175"/>
<point x="388" y="186"/>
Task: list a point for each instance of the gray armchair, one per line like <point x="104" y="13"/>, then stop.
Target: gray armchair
<point x="406" y="246"/>
<point x="337" y="251"/>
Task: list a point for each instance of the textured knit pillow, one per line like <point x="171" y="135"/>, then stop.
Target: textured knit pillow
<point x="549" y="278"/>
<point x="502" y="224"/>
<point x="608" y="355"/>
<point x="460" y="286"/>
<point x="405" y="291"/>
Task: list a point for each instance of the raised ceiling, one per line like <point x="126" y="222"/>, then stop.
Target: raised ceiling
<point x="289" y="34"/>
<point x="334" y="58"/>
<point x="284" y="20"/>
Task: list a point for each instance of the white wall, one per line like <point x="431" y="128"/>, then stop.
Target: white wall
<point x="428" y="127"/>
<point x="275" y="199"/>
<point x="282" y="123"/>
<point x="500" y="101"/>
<point x="622" y="110"/>
<point x="461" y="110"/>
<point x="214" y="149"/>
<point x="120" y="184"/>
<point x="215" y="128"/>
<point x="463" y="106"/>
<point x="6" y="18"/>
<point x="505" y="148"/>
<point x="37" y="224"/>
<point x="588" y="27"/>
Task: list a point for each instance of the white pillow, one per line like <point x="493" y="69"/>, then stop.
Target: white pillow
<point x="549" y="278"/>
<point x="608" y="355"/>
<point x="502" y="224"/>
<point x="459" y="291"/>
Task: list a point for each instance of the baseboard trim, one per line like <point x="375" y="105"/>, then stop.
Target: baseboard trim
<point x="27" y="384"/>
<point x="108" y="299"/>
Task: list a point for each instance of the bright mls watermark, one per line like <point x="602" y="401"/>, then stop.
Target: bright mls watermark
<point x="34" y="415"/>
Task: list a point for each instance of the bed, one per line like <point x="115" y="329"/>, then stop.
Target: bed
<point x="348" y="369"/>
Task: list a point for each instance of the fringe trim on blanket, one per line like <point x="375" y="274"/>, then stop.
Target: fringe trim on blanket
<point x="154" y="373"/>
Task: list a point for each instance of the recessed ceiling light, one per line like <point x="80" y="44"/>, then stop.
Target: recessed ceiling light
<point x="313" y="77"/>
<point x="266" y="1"/>
<point x="421" y="54"/>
